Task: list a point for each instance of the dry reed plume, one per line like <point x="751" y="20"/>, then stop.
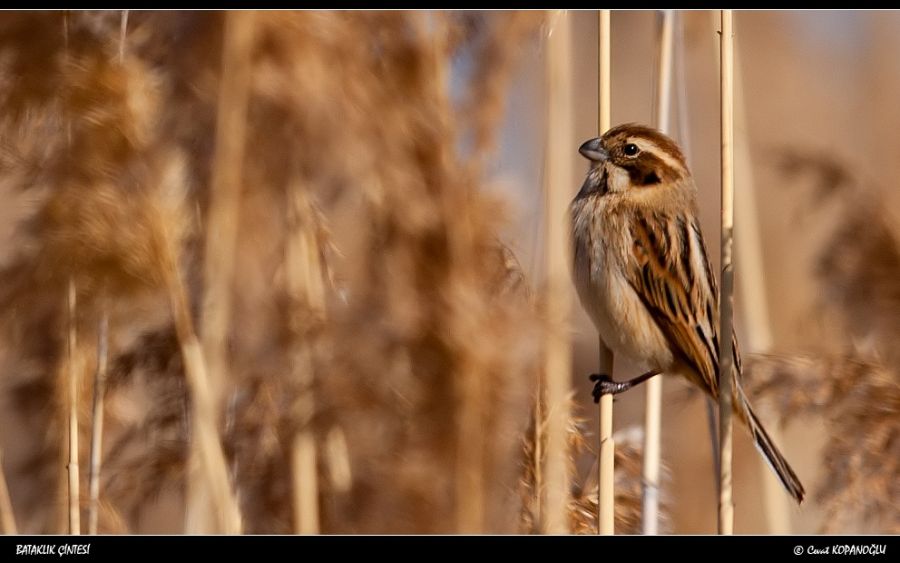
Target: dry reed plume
<point x="854" y="388"/>
<point x="387" y="297"/>
<point x="582" y="509"/>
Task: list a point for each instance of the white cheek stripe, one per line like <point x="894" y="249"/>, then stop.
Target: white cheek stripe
<point x="650" y="146"/>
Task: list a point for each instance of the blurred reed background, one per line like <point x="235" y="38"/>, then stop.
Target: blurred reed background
<point x="316" y="241"/>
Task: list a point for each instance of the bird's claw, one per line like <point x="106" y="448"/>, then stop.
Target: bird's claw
<point x="603" y="385"/>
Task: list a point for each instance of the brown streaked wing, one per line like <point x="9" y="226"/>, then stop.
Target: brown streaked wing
<point x="713" y="314"/>
<point x="666" y="285"/>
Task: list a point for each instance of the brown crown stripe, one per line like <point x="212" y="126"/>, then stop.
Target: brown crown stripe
<point x="631" y="130"/>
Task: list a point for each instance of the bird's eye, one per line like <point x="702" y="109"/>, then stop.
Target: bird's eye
<point x="630" y="149"/>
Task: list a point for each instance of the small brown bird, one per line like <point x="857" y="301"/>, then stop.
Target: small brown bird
<point x="642" y="272"/>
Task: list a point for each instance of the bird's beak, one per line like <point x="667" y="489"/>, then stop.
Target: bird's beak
<point x="593" y="150"/>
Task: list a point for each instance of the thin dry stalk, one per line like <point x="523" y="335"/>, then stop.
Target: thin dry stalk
<point x="664" y="70"/>
<point x="752" y="289"/>
<point x="606" y="490"/>
<point x="681" y="82"/>
<point x="603" y="83"/>
<point x="712" y="421"/>
<point x="652" y="432"/>
<point x="225" y="192"/>
<point x="751" y="293"/>
<point x="74" y="482"/>
<point x="536" y="453"/>
<point x="207" y="464"/>
<point x="712" y="426"/>
<point x="305" y="481"/>
<point x="337" y="458"/>
<point x="221" y="236"/>
<point x="74" y="515"/>
<point x="305" y="284"/>
<point x="7" y="517"/>
<point x="726" y="299"/>
<point x="97" y="411"/>
<point x="97" y="406"/>
<point x="539" y="443"/>
<point x="557" y="362"/>
<point x="653" y="387"/>
<point x="606" y="446"/>
<point x="123" y="30"/>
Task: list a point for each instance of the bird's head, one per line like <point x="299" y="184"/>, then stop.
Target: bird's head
<point x="631" y="157"/>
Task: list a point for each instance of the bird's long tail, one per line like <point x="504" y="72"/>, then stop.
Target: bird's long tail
<point x="766" y="446"/>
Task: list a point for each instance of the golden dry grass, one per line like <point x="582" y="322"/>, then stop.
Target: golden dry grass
<point x="423" y="326"/>
<point x="374" y="305"/>
<point x="582" y="509"/>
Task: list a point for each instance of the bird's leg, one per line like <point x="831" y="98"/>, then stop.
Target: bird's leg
<point x="604" y="384"/>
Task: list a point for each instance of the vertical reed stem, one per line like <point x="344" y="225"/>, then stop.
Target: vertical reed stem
<point x="606" y="446"/>
<point x="603" y="84"/>
<point x="226" y="184"/>
<point x="538" y="453"/>
<point x="751" y="293"/>
<point x="7" y="518"/>
<point x="63" y="524"/>
<point x="219" y="512"/>
<point x="123" y="28"/>
<point x="221" y="237"/>
<point x="74" y="481"/>
<point x="305" y="281"/>
<point x="681" y="95"/>
<point x="97" y="410"/>
<point x="651" y="462"/>
<point x="726" y="300"/>
<point x="558" y="354"/>
<point x="305" y="483"/>
<point x="97" y="421"/>
<point x="712" y="425"/>
<point x="653" y="387"/>
<point x="664" y="71"/>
